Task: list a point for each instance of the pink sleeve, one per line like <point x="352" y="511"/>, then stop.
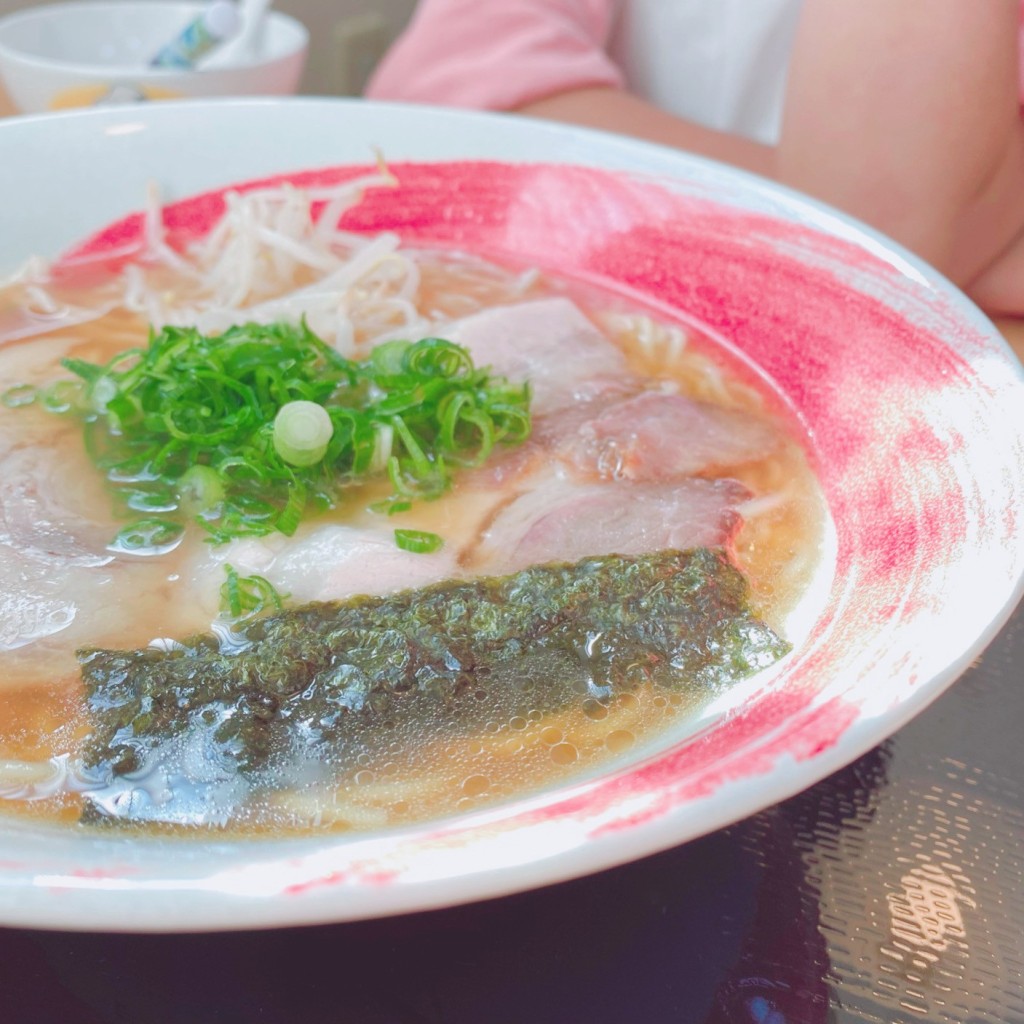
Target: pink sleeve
<point x="498" y="54"/>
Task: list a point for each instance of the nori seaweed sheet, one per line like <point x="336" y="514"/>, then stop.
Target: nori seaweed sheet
<point x="310" y="683"/>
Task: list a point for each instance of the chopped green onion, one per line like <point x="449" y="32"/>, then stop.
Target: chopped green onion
<point x="62" y="396"/>
<point x="436" y="357"/>
<point x="383" y="439"/>
<point x="288" y="521"/>
<point x="387" y="358"/>
<point x="420" y="542"/>
<point x="250" y="431"/>
<point x="200" y="489"/>
<point x="302" y="431"/>
<point x="102" y="392"/>
<point x="89" y="372"/>
<point x="244" y="597"/>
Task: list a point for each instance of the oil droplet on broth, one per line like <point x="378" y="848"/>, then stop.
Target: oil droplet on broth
<point x="476" y="785"/>
<point x="564" y="753"/>
<point x="510" y="747"/>
<point x="551" y="736"/>
<point x="619" y="741"/>
<point x="594" y="709"/>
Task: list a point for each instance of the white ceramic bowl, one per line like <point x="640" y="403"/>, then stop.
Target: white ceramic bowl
<point x="85" y="53"/>
<point x="913" y="403"/>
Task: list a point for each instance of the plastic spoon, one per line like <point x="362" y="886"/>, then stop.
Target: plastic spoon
<point x="217" y="23"/>
<point x="248" y="42"/>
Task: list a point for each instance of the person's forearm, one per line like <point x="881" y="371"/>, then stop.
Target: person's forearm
<point x="616" y="111"/>
<point x="997" y="214"/>
<point x="905" y="115"/>
<point x="999" y="289"/>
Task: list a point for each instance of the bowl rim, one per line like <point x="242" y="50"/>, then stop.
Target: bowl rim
<point x="294" y="42"/>
<point x="545" y="867"/>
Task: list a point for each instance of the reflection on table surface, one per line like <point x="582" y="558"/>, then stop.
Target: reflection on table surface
<point x="891" y="892"/>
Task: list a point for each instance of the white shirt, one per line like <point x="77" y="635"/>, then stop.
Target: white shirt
<point x="721" y="63"/>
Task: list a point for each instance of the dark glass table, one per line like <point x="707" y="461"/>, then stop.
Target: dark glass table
<point x="891" y="892"/>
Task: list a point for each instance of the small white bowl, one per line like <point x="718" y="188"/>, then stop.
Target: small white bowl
<point x="86" y="53"/>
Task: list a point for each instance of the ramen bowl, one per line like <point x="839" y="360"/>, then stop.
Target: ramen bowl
<point x="67" y="55"/>
<point x="909" y="404"/>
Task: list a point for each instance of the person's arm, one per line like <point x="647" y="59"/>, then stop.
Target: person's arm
<point x="907" y="115"/>
<point x="541" y="58"/>
<point x="615" y="110"/>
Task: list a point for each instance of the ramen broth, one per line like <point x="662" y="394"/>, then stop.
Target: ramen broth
<point x="64" y="589"/>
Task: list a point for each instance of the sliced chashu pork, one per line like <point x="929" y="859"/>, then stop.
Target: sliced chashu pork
<point x="654" y="436"/>
<point x="564" y="520"/>
<point x="547" y="342"/>
<point x="325" y="562"/>
<point x="54" y="512"/>
<point x="591" y="412"/>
